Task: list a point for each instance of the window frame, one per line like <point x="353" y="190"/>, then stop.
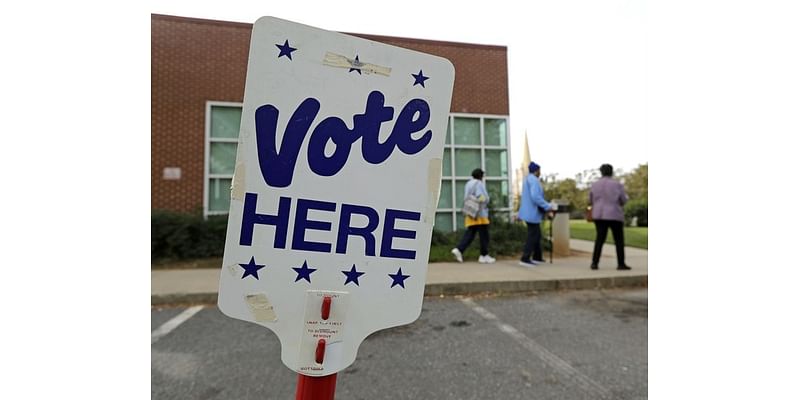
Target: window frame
<point x="452" y="146"/>
<point x="207" y="175"/>
<point x="453" y="178"/>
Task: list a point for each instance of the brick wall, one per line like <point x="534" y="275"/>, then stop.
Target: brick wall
<point x="194" y="60"/>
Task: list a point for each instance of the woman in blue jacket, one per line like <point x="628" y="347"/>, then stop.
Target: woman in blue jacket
<point x="532" y="207"/>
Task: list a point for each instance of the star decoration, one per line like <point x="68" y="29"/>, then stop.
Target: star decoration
<point x="358" y="64"/>
<point x="286" y="50"/>
<point x="352" y="275"/>
<point x="419" y="79"/>
<point x="251" y="268"/>
<point x="304" y="272"/>
<point x="399" y="278"/>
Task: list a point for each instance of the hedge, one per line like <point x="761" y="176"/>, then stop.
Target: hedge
<point x="638" y="209"/>
<point x="175" y="236"/>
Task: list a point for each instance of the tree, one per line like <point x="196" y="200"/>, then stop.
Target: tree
<point x="565" y="189"/>
<point x="636" y="183"/>
<point x="636" y="187"/>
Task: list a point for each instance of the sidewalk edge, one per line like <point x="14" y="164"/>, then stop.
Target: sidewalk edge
<point x="453" y="289"/>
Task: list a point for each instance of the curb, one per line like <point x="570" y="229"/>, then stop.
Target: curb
<point x="507" y="287"/>
<point x="453" y="289"/>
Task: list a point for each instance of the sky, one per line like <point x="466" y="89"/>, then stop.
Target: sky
<point x="722" y="94"/>
<point x="576" y="68"/>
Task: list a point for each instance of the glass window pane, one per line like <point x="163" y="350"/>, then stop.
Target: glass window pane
<point x="459" y="220"/>
<point x="498" y="192"/>
<point x="467" y="130"/>
<point x="225" y="122"/>
<point x="446" y="195"/>
<point x="494" y="131"/>
<point x="443" y="222"/>
<point x="223" y="158"/>
<point x="219" y="194"/>
<point x="447" y="167"/>
<point x="447" y="136"/>
<point x="466" y="161"/>
<point x="460" y="194"/>
<point x="497" y="163"/>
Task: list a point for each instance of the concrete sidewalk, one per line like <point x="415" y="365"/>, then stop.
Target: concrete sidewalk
<point x="451" y="278"/>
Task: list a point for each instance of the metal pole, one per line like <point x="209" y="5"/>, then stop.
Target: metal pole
<point x="315" y="387"/>
<point x="551" y="238"/>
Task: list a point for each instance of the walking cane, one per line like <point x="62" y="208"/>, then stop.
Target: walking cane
<point x="551" y="239"/>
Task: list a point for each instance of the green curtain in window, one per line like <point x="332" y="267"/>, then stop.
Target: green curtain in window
<point x="494" y="131"/>
<point x="225" y="122"/>
<point x="466" y="161"/>
<point x="496" y="163"/>
<point x="467" y="130"/>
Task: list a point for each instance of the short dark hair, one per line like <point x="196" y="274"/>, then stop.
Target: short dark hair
<point x="477" y="173"/>
<point x="606" y="170"/>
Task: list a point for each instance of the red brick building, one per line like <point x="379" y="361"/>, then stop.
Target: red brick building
<point x="198" y="72"/>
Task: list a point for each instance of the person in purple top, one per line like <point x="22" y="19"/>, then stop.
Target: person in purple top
<point x="606" y="197"/>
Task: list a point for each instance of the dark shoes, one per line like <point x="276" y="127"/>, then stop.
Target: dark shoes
<point x="622" y="267"/>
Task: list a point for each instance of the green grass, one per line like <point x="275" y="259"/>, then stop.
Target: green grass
<point x="634" y="236"/>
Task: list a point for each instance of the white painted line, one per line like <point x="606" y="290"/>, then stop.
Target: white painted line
<point x="170" y="325"/>
<point x="559" y="365"/>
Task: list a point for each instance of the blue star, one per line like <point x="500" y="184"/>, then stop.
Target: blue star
<point x="352" y="275"/>
<point x="251" y="268"/>
<point x="357" y="64"/>
<point x="304" y="272"/>
<point x="286" y="50"/>
<point x="398" y="278"/>
<point x="419" y="79"/>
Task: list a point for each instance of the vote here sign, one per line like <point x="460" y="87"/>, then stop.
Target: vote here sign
<point x="335" y="189"/>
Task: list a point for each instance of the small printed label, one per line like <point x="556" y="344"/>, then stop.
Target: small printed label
<point x="316" y="328"/>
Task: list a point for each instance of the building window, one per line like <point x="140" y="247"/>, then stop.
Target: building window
<point x="222" y="137"/>
<point x="474" y="141"/>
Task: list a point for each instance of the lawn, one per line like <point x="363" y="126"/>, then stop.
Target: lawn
<point x="634" y="236"/>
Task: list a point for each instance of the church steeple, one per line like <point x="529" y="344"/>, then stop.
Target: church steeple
<point x="526" y="153"/>
<point x="521" y="172"/>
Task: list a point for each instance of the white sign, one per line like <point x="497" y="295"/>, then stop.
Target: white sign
<point x="172" y="173"/>
<point x="335" y="190"/>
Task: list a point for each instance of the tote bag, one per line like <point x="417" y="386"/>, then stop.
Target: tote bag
<point x="471" y="206"/>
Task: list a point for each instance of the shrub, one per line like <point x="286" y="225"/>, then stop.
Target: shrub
<point x="178" y="236"/>
<point x="185" y="236"/>
<point x="638" y="209"/>
<point x="445" y="238"/>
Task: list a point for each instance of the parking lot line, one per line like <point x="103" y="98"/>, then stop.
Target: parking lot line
<point x="558" y="364"/>
<point x="170" y="325"/>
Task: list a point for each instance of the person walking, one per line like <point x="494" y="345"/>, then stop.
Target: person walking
<point x="606" y="198"/>
<point x="532" y="207"/>
<point x="480" y="223"/>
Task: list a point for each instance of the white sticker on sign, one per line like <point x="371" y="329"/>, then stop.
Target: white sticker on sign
<point x="337" y="177"/>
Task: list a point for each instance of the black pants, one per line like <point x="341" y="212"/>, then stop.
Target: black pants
<point x="533" y="243"/>
<point x="601" y="226"/>
<point x="483" y="232"/>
